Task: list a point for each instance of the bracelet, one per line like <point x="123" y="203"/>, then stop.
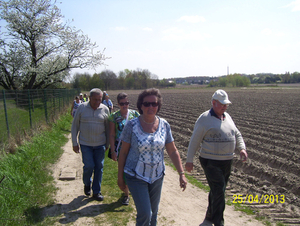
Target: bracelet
<point x="181" y="173"/>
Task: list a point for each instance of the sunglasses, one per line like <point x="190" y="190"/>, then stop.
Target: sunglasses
<point x="125" y="103"/>
<point x="147" y="104"/>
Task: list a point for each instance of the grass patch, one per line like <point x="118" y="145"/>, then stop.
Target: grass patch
<point x="115" y="213"/>
<point x="191" y="179"/>
<point x="239" y="207"/>
<point x="27" y="181"/>
<point x="28" y="185"/>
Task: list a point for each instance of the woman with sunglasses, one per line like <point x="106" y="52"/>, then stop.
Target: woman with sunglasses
<point x="141" y="158"/>
<point x="117" y="121"/>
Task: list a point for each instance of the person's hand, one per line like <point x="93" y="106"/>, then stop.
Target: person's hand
<point x="189" y="166"/>
<point x="121" y="183"/>
<point x="243" y="155"/>
<point x="114" y="155"/>
<point x="76" y="149"/>
<point x="182" y="181"/>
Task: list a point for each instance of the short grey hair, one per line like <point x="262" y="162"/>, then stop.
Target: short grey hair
<point x="96" y="91"/>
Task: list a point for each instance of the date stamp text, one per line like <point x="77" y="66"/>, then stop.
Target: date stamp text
<point x="259" y="199"/>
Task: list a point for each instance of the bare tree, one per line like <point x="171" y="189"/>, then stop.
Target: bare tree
<point x="37" y="49"/>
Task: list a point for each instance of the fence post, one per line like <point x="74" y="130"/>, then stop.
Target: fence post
<point x="59" y="100"/>
<point x="5" y="110"/>
<point x="29" y="108"/>
<point x="53" y="100"/>
<point x="45" y="105"/>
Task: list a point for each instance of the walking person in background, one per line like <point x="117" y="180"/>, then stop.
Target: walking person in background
<point x="81" y="98"/>
<point x="217" y="137"/>
<point x="108" y="103"/>
<point x="85" y="98"/>
<point x="104" y="95"/>
<point x="91" y="122"/>
<point x="117" y="121"/>
<point x="141" y="158"/>
<point x="75" y="105"/>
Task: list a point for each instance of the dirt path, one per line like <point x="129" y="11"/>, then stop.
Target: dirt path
<point x="176" y="207"/>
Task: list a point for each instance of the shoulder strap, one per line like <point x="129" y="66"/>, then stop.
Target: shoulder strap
<point x="124" y="126"/>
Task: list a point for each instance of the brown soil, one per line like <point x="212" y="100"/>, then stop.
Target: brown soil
<point x="268" y="120"/>
<point x="177" y="208"/>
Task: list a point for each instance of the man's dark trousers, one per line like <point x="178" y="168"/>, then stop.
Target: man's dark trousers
<point x="217" y="173"/>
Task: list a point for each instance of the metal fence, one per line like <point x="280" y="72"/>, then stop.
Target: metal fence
<point x="24" y="109"/>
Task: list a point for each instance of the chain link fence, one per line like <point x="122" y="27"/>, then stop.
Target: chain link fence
<point x="22" y="110"/>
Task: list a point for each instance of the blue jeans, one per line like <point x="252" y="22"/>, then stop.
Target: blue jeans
<point x="146" y="199"/>
<point x="93" y="161"/>
<point x="217" y="173"/>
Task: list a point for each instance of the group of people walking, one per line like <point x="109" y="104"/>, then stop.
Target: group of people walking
<point x="137" y="140"/>
<point x="78" y="100"/>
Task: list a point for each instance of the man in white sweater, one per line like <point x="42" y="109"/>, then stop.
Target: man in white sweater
<point x="91" y="122"/>
<point x="216" y="137"/>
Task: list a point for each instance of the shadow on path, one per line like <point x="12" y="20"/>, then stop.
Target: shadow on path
<point x="78" y="208"/>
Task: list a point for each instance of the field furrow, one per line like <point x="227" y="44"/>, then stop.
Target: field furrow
<point x="268" y="120"/>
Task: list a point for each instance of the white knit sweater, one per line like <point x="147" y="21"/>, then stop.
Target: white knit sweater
<point x="216" y="139"/>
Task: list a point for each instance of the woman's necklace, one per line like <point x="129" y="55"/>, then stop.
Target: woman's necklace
<point x="148" y="122"/>
<point x="124" y="115"/>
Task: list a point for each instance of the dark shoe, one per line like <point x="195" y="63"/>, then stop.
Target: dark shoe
<point x="98" y="197"/>
<point x="125" y="200"/>
<point x="87" y="190"/>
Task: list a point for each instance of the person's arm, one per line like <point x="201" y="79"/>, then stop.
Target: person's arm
<point x="243" y="155"/>
<point x="175" y="157"/>
<point x="194" y="145"/>
<point x="75" y="130"/>
<point x="76" y="149"/>
<point x="107" y="133"/>
<point x="112" y="139"/>
<point x="240" y="143"/>
<point x="121" y="164"/>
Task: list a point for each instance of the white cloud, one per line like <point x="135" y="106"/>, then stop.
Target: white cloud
<point x="295" y="5"/>
<point x="192" y="19"/>
<point x="176" y="34"/>
<point x="147" y="29"/>
<point x="269" y="32"/>
<point x="119" y="28"/>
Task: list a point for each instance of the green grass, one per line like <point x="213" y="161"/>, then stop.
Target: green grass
<point x="193" y="180"/>
<point x="18" y="118"/>
<point x="115" y="213"/>
<point x="27" y="187"/>
<point x="27" y="182"/>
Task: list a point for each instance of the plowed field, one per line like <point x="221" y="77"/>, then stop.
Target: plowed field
<point x="269" y="121"/>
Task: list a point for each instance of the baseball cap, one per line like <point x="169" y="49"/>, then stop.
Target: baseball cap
<point x="221" y="96"/>
<point x="80" y="94"/>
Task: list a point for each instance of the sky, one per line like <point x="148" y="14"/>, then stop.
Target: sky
<point x="175" y="38"/>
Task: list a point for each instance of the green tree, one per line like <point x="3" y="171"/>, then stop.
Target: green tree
<point x="108" y="77"/>
<point x="121" y="80"/>
<point x="286" y="78"/>
<point x="129" y="82"/>
<point x="37" y="49"/>
<point x="223" y="82"/>
<point x="295" y="77"/>
<point x="96" y="82"/>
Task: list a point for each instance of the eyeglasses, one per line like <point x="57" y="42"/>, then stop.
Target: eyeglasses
<point x="153" y="104"/>
<point x="125" y="103"/>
